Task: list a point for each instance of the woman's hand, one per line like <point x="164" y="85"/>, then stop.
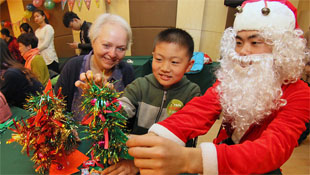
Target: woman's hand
<point x="124" y="167"/>
<point x="157" y="155"/>
<point x="97" y="78"/>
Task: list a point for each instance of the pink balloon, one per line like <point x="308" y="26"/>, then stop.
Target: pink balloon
<point x="37" y="3"/>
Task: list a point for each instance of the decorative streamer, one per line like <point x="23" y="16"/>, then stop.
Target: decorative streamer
<point x="49" y="135"/>
<point x="87" y="2"/>
<point x="71" y="4"/>
<point x="106" y="121"/>
<point x="63" y="4"/>
<point x="79" y="4"/>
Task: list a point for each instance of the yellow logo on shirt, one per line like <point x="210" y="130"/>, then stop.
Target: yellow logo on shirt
<point x="173" y="106"/>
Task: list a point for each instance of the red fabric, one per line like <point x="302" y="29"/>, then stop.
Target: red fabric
<point x="191" y="120"/>
<point x="67" y="164"/>
<point x="263" y="148"/>
<point x="13" y="48"/>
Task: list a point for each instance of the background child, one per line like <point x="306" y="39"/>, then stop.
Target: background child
<point x="154" y="97"/>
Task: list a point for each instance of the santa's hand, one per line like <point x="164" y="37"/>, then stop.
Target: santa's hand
<point x="157" y="155"/>
<point x="124" y="167"/>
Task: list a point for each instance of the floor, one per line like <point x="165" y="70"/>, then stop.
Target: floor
<point x="298" y="164"/>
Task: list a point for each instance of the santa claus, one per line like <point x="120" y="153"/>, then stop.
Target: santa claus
<point x="264" y="104"/>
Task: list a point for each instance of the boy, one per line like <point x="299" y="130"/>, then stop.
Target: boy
<point x="147" y="98"/>
<point x="71" y="20"/>
<point x="264" y="104"/>
<point x="152" y="98"/>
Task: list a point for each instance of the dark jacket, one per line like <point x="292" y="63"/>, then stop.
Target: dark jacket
<point x="16" y="87"/>
<point x="85" y="44"/>
<point x="71" y="73"/>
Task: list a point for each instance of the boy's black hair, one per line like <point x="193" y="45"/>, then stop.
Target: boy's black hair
<point x="26" y="27"/>
<point x="5" y="32"/>
<point x="177" y="36"/>
<point x="68" y="17"/>
<point x="41" y="12"/>
<point x="28" y="39"/>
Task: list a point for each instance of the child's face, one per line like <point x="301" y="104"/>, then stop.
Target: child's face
<point x="170" y="62"/>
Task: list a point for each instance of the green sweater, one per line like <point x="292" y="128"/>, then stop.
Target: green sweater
<point x="39" y="68"/>
<point x="145" y="100"/>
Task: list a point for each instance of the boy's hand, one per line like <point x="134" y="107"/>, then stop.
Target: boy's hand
<point x="74" y="45"/>
<point x="123" y="167"/>
<point x="82" y="83"/>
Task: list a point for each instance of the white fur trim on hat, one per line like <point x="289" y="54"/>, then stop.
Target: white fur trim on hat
<point x="251" y="18"/>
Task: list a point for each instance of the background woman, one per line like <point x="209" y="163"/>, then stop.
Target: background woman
<point x="45" y="34"/>
<point x="16" y="81"/>
<point x="28" y="43"/>
<point x="25" y="28"/>
<point x="110" y="37"/>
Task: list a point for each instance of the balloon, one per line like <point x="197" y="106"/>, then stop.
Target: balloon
<point x="57" y="1"/>
<point x="30" y="7"/>
<point x="27" y="14"/>
<point x="46" y="14"/>
<point x="49" y="4"/>
<point x="7" y="24"/>
<point x="37" y="3"/>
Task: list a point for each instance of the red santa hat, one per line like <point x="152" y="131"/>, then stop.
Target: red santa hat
<point x="261" y="14"/>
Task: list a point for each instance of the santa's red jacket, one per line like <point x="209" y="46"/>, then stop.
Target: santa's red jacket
<point x="263" y="148"/>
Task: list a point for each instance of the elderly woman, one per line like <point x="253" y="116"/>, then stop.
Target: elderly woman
<point x="110" y="37"/>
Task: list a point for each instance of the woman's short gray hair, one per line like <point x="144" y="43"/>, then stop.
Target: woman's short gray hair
<point x="109" y="18"/>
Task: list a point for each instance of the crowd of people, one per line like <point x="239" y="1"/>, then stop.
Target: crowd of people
<point x="262" y="88"/>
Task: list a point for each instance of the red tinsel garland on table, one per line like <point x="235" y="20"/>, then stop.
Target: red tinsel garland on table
<point x="49" y="132"/>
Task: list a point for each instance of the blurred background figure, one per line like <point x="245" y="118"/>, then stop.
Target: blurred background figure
<point x="25" y="28"/>
<point x="16" y="81"/>
<point x="45" y="35"/>
<point x="12" y="44"/>
<point x="28" y="43"/>
<point x="71" y="20"/>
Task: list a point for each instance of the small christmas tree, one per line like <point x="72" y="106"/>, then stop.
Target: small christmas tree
<point x="48" y="132"/>
<point x="106" y="122"/>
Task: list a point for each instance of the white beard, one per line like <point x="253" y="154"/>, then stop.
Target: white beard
<point x="249" y="88"/>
